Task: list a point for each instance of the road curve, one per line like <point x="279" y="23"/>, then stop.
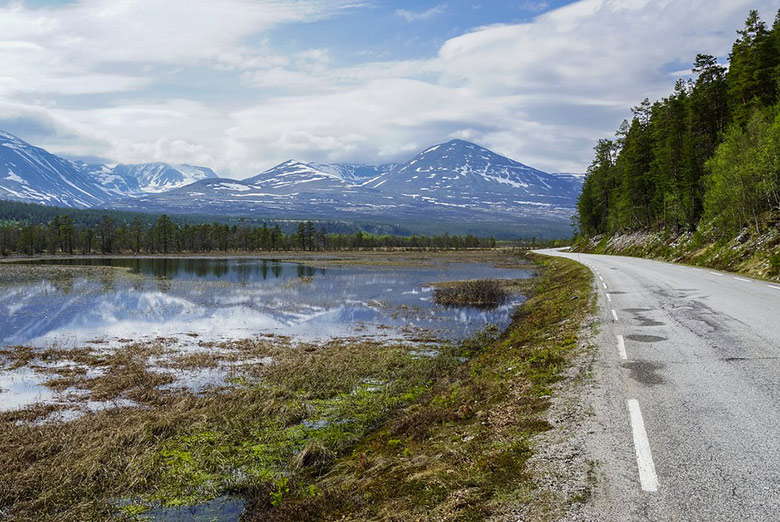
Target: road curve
<point x="687" y="402"/>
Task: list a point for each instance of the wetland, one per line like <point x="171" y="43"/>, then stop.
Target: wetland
<point x="168" y="388"/>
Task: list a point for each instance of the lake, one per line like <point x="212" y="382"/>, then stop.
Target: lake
<point x="219" y="299"/>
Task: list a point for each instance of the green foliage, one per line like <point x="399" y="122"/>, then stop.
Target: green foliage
<point x="707" y="152"/>
<point x="744" y="180"/>
<point x="282" y="490"/>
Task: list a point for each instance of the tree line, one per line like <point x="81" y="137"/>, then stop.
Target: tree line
<point x="708" y="154"/>
<point x="164" y="236"/>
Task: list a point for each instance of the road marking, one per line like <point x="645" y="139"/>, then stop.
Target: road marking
<point x="614" y="314"/>
<point x="644" y="458"/>
<point x="773" y="286"/>
<point x="716" y="273"/>
<point x="602" y="279"/>
<point x="741" y="279"/>
<point x="697" y="269"/>
<point x="609" y="298"/>
<point x="605" y="285"/>
<point x="622" y="347"/>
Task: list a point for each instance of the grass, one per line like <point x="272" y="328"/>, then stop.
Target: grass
<point x="344" y="429"/>
<point x="460" y="451"/>
<point x="483" y="293"/>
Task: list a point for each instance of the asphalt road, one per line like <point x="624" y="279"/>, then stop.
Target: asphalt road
<point x="687" y="403"/>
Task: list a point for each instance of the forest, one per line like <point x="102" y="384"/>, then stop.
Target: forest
<point x="705" y="157"/>
<point x="165" y="236"/>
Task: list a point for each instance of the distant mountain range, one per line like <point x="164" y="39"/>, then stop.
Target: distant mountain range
<point x="457" y="183"/>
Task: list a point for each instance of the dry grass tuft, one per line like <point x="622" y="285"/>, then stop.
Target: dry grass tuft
<point x="479" y="293"/>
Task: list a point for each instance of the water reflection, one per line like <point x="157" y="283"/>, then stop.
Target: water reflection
<point x="217" y="299"/>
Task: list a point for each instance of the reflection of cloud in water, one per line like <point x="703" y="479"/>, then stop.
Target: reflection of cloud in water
<point x="244" y="301"/>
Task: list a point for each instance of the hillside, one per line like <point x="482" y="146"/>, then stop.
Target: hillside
<point x="702" y="165"/>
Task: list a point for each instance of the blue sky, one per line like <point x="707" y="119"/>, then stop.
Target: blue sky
<point x="240" y="85"/>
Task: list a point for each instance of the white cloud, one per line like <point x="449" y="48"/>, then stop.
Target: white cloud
<point x="534" y="6"/>
<point x="69" y="49"/>
<point x="413" y="16"/>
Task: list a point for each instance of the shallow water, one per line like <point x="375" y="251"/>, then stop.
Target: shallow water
<point x="195" y="300"/>
<point x="190" y="303"/>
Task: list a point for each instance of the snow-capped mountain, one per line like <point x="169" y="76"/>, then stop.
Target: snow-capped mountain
<point x="452" y="184"/>
<point x="118" y="185"/>
<point x="159" y="177"/>
<point x="355" y="173"/>
<point x="32" y="175"/>
<point x="456" y="180"/>
<point x="290" y="189"/>
<point x="462" y="174"/>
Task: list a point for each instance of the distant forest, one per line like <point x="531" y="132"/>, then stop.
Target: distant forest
<point x="164" y="236"/>
<point x="707" y="156"/>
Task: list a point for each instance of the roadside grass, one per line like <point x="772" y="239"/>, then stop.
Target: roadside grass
<point x="459" y="452"/>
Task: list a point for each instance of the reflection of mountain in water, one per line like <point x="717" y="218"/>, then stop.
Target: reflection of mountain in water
<point x="189" y="296"/>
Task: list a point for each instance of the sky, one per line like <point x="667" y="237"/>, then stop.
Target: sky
<point x="242" y="85"/>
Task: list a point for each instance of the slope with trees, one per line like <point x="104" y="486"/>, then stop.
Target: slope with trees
<point x="697" y="174"/>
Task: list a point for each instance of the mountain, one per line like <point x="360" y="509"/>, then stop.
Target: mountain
<point x="159" y="177"/>
<point x="354" y="173"/>
<point x="290" y="190"/>
<point x="31" y="174"/>
<point x="149" y="178"/>
<point x="451" y="186"/>
<point x="118" y="185"/>
<point x="454" y="184"/>
<point x="462" y="174"/>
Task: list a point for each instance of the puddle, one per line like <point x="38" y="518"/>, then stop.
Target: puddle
<point x="641" y="319"/>
<point x="223" y="509"/>
<point x="645" y="372"/>
<point x="646" y="338"/>
<point x="23" y="387"/>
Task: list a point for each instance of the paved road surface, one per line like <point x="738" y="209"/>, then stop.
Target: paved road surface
<point x="688" y="403"/>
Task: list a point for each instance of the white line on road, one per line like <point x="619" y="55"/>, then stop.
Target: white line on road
<point x="609" y="298"/>
<point x="622" y="347"/>
<point x="644" y="458"/>
<point x="601" y="277"/>
<point x="773" y="286"/>
<point x="605" y="285"/>
<point x="614" y="314"/>
<point x="741" y="279"/>
<point x="716" y="273"/>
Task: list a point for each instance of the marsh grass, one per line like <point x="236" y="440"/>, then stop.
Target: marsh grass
<point x="294" y="416"/>
<point x="483" y="293"/>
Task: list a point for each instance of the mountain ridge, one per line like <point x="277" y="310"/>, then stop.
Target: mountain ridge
<point x="455" y="181"/>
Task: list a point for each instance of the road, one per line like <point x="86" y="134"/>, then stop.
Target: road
<point x="687" y="402"/>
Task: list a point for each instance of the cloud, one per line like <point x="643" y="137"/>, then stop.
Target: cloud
<point x="81" y="43"/>
<point x="414" y="16"/>
<point x="214" y="89"/>
<point x="534" y="6"/>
